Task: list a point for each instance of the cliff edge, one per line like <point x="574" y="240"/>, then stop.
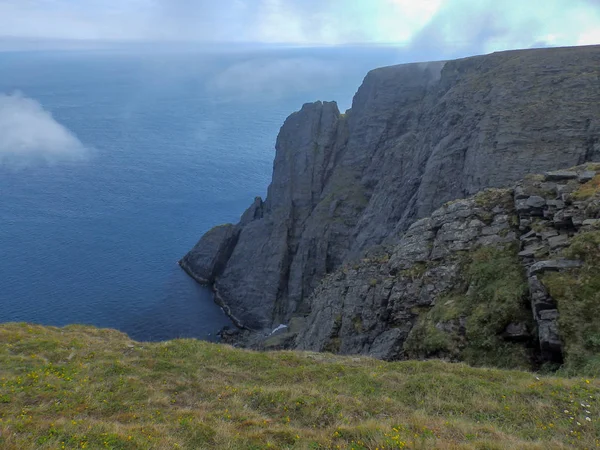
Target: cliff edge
<point x="417" y="136"/>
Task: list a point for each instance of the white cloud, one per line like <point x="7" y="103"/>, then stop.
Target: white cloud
<point x="29" y="133"/>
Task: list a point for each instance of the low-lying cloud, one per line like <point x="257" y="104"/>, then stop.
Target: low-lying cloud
<point x="29" y="134"/>
<point x="273" y="78"/>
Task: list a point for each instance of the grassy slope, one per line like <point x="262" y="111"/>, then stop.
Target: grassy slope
<point x="81" y="387"/>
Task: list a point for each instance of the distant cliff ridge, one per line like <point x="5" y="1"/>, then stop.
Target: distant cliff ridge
<point x="416" y="137"/>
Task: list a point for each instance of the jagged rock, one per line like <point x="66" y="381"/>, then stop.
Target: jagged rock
<point x="209" y="257"/>
<point x="255" y="212"/>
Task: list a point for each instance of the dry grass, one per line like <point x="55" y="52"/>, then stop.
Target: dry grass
<point x="81" y="387"/>
<point x="588" y="189"/>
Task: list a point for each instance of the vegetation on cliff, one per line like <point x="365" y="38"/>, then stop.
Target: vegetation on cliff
<point x="468" y="323"/>
<point x="81" y="387"/>
<point x="577" y="292"/>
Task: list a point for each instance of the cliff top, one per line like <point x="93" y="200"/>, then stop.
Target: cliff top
<point x="81" y="387"/>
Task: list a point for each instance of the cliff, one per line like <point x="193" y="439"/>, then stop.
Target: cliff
<point x="509" y="278"/>
<point x="416" y="137"/>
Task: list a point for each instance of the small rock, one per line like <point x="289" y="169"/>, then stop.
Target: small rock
<point x="577" y="220"/>
<point x="549" y="187"/>
<point x="586" y="176"/>
<point x="520" y="193"/>
<point x="531" y="234"/>
<point x="548" y="234"/>
<point x="558" y="241"/>
<point x="554" y="265"/>
<point x="591" y="222"/>
<point x="536" y="201"/>
<point x="532" y="250"/>
<point x="561" y="219"/>
<point x="563" y="189"/>
<point x="558" y="175"/>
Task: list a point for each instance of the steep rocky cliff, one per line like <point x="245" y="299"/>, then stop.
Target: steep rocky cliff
<point x="501" y="278"/>
<point x="416" y="137"/>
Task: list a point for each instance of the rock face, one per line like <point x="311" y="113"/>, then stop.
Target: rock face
<point x="371" y="307"/>
<point x="406" y="300"/>
<point x="417" y="136"/>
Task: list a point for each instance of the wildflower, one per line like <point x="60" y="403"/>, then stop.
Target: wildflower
<point x="588" y="419"/>
<point x="566" y="411"/>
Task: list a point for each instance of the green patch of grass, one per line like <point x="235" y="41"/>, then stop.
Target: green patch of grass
<point x="107" y="394"/>
<point x="577" y="293"/>
<point x="491" y="297"/>
<point x="489" y="198"/>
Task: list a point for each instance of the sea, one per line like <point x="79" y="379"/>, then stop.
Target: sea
<point x="115" y="160"/>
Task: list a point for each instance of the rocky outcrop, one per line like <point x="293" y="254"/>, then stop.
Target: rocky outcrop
<point x="371" y="307"/>
<point x="553" y="209"/>
<point x="417" y="136"/>
<point x="420" y="297"/>
<point x="208" y="258"/>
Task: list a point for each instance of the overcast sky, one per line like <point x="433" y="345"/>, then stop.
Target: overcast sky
<point x="486" y="24"/>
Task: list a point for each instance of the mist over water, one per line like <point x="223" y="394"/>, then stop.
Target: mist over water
<point x="114" y="162"/>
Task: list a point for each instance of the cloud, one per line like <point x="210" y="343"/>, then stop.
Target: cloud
<point x="448" y="25"/>
<point x="273" y="78"/>
<point x="464" y="27"/>
<point x="29" y="133"/>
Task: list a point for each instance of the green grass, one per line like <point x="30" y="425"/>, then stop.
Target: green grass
<point x="81" y="387"/>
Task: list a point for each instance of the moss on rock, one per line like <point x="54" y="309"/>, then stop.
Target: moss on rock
<point x="577" y="293"/>
<point x="468" y="324"/>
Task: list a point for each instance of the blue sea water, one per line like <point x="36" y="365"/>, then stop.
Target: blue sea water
<point x="179" y="141"/>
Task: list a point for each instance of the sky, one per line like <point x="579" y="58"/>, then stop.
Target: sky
<point x="480" y="25"/>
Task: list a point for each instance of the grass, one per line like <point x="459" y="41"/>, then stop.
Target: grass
<point x="588" y="190"/>
<point x="81" y="387"/>
<point x="489" y="198"/>
<point x="490" y="298"/>
<point x="577" y="293"/>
